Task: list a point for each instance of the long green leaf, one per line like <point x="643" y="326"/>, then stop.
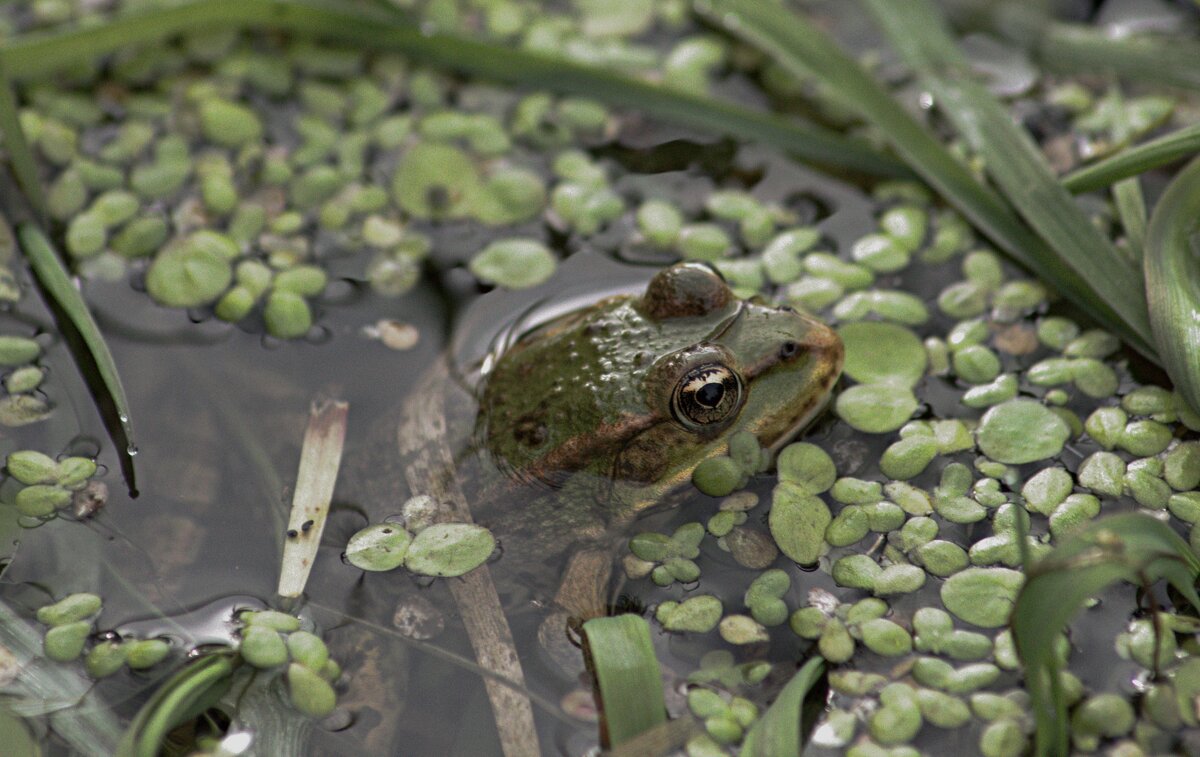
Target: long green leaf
<point x="53" y="277"/>
<point x="1126" y="547"/>
<point x="1131" y="210"/>
<point x="621" y="657"/>
<point x="36" y="54"/>
<point x="801" y="48"/>
<point x="778" y="730"/>
<point x="1172" y="266"/>
<point x="1168" y="148"/>
<point x="1073" y="48"/>
<point x="173" y="701"/>
<point x="918" y="33"/>
<point x="20" y="156"/>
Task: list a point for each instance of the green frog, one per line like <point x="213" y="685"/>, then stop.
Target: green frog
<point x="599" y="415"/>
<point x="560" y="441"/>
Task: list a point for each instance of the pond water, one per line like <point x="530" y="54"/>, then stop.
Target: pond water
<point x="385" y="181"/>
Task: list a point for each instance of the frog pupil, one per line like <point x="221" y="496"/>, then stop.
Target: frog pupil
<point x="710" y="394"/>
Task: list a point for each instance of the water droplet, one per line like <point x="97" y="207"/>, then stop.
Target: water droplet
<point x="131" y="450"/>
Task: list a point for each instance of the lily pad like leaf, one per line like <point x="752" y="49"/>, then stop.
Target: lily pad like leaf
<point x="449" y="549"/>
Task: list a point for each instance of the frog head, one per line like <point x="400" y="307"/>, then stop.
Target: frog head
<point x="636" y="391"/>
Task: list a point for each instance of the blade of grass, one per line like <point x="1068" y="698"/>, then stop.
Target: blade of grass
<point x="917" y="31"/>
<point x="320" y="458"/>
<point x="1127" y="547"/>
<point x="54" y="691"/>
<point x="1131" y="209"/>
<point x="664" y="738"/>
<point x="56" y="283"/>
<point x="1181" y="143"/>
<point x="1172" y="265"/>
<point x="1074" y="48"/>
<point x="36" y="54"/>
<point x="798" y="46"/>
<point x="778" y="730"/>
<point x="16" y="738"/>
<point x="174" y="700"/>
<point x="20" y="156"/>
<point x="629" y="685"/>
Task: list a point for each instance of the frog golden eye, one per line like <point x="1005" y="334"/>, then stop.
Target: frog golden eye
<point x="706" y="395"/>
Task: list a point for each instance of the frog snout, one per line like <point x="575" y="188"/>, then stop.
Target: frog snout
<point x="820" y="343"/>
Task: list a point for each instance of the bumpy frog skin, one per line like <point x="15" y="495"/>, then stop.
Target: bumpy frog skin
<point x="635" y="391"/>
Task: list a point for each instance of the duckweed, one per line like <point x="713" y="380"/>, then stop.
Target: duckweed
<point x="146" y="653"/>
<point x="876" y="408"/>
<point x="378" y="547"/>
<point x="308" y="692"/>
<point x="188" y="274"/>
<point x="65" y="642"/>
<point x="695" y="614"/>
<point x="449" y="549"/>
<point x="514" y="263"/>
<point x="982" y="596"/>
<point x="742" y="629"/>
<point x="878" y="353"/>
<point x="798" y="521"/>
<point x="70" y="609"/>
<point x="1021" y="431"/>
<point x="105" y="659"/>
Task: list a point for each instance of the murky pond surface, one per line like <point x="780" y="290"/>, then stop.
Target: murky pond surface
<point x="202" y="186"/>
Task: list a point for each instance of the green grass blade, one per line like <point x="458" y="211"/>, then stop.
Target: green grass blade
<point x="778" y="730"/>
<point x="36" y="54"/>
<point x="54" y="280"/>
<point x="628" y="681"/>
<point x="1125" y="547"/>
<point x="1179" y="144"/>
<point x="1172" y="266"/>
<point x="1131" y="209"/>
<point x="1073" y="48"/>
<point x="919" y="34"/>
<point x="20" y="156"/>
<point x="173" y="701"/>
<point x="801" y="48"/>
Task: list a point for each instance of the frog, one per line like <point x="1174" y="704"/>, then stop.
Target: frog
<point x="560" y="441"/>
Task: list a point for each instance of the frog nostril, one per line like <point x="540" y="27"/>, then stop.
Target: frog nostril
<point x="788" y="350"/>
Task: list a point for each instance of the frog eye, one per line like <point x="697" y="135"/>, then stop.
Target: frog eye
<point x="706" y="395"/>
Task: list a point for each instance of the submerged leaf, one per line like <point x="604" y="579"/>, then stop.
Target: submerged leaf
<point x="628" y="682"/>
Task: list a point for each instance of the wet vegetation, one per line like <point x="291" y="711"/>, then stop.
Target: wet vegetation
<point x="219" y="214"/>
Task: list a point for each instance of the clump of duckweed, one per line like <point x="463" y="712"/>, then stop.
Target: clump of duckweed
<point x="71" y="621"/>
<point x="444" y="550"/>
<point x="271" y="640"/>
<point x="991" y="413"/>
<point x="48" y="486"/>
